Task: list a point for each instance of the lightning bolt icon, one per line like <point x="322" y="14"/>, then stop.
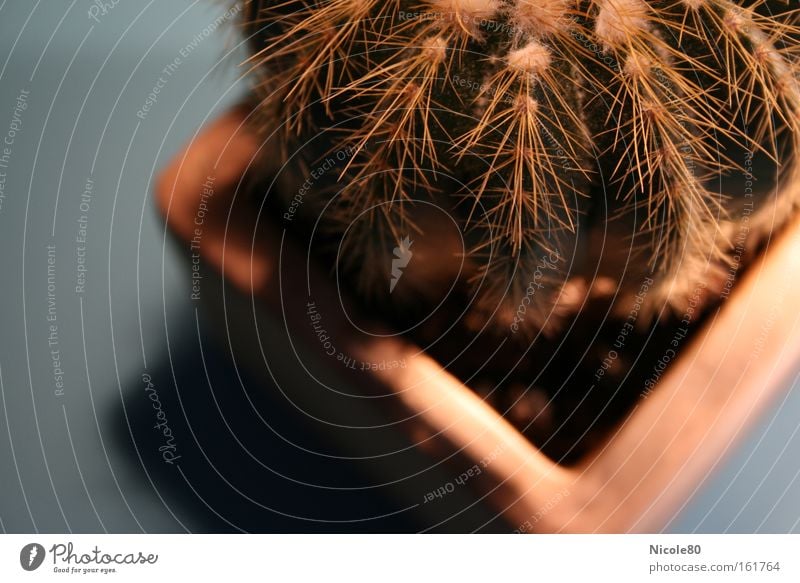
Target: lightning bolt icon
<point x="402" y="255"/>
<point x="34" y="552"/>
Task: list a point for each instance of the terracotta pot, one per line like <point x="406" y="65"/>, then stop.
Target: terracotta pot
<point x="424" y="434"/>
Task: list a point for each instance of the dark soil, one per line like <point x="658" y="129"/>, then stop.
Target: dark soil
<point x="569" y="392"/>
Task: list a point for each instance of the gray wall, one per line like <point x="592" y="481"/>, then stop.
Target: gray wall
<point x="86" y="458"/>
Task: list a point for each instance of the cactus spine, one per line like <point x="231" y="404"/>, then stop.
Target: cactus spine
<point x="536" y="125"/>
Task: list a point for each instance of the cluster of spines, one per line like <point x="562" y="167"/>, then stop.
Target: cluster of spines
<point x="694" y="78"/>
<point x="653" y="90"/>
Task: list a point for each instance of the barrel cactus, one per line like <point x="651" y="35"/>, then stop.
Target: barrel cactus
<point x="506" y="149"/>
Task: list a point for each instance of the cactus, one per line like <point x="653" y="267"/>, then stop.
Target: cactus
<point x="564" y="140"/>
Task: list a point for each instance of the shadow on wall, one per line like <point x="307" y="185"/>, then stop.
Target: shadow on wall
<point x="219" y="451"/>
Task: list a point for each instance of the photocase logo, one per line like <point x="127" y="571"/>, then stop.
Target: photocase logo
<point x="402" y="255"/>
<point x="31" y="556"/>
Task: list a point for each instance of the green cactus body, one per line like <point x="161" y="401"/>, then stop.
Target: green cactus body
<point x="562" y="139"/>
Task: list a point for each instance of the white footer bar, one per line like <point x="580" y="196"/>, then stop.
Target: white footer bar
<point x="401" y="558"/>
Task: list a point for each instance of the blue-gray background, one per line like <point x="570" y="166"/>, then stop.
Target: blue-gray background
<point x="88" y="460"/>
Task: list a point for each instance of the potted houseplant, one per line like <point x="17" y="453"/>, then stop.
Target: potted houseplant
<point x="732" y="369"/>
<point x="268" y="196"/>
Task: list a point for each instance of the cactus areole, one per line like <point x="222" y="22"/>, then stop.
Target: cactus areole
<point x="506" y="148"/>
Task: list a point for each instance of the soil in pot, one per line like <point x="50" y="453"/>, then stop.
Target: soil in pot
<point x="567" y="391"/>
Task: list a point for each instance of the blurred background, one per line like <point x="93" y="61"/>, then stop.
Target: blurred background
<point x="97" y="325"/>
